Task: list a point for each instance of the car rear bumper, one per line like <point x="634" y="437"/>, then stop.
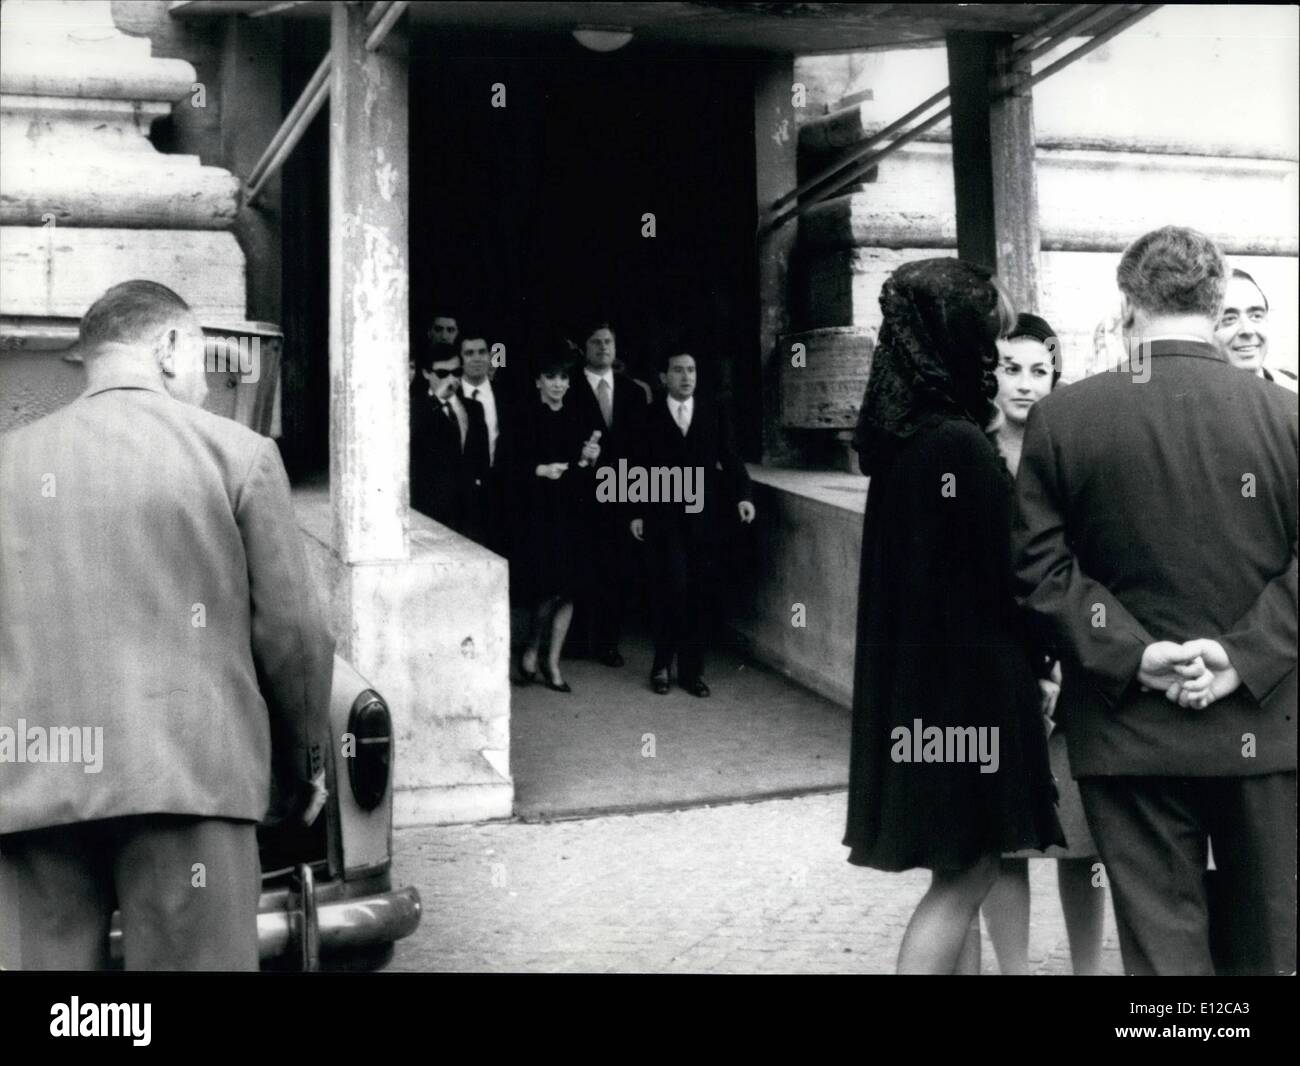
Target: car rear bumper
<point x="344" y="924"/>
<point x="348" y="917"/>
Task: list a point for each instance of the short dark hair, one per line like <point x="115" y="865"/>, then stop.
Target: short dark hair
<point x="668" y="352"/>
<point x="1036" y="328"/>
<point x="130" y="312"/>
<point x="554" y="359"/>
<point x="593" y="325"/>
<point x="1237" y="272"/>
<point x="471" y="333"/>
<point x="1175" y="271"/>
<point x="444" y="312"/>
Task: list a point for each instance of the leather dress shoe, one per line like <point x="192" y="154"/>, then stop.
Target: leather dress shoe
<point x="697" y="688"/>
<point x="660" y="684"/>
<point x="611" y="657"/>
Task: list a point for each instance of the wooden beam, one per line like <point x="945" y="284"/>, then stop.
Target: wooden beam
<point x="1015" y="184"/>
<point x="369" y="292"/>
<point x="993" y="162"/>
<point x="971" y="67"/>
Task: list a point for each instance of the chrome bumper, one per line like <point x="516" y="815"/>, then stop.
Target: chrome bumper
<point x="341" y="924"/>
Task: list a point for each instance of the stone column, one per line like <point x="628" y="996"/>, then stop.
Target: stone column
<point x="776" y="140"/>
<point x="420" y="611"/>
<point x="88" y="201"/>
<point x="369" y="292"/>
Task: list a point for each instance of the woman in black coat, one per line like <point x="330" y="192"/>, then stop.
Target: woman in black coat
<point x="949" y="765"/>
<point x="553" y="475"/>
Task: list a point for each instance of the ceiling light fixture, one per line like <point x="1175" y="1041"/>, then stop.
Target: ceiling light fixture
<point x="602" y="38"/>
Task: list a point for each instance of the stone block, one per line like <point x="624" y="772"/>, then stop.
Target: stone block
<point x="432" y="634"/>
<point x="58" y="271"/>
<point x="811" y="545"/>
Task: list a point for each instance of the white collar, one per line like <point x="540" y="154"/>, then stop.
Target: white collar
<point x="484" y="389"/>
<point x="596" y="375"/>
<point x="686" y="404"/>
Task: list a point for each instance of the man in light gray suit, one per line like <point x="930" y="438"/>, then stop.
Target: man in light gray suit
<point x="162" y="657"/>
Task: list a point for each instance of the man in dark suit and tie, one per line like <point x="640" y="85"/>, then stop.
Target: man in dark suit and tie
<point x="155" y="604"/>
<point x="486" y="443"/>
<point x="615" y="405"/>
<point x="449" y="445"/>
<point x="1156" y="542"/>
<point x="687" y="441"/>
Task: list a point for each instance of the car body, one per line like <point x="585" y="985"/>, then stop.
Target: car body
<point x="328" y="900"/>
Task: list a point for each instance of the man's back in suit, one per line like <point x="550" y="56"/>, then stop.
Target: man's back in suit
<point x="154" y="598"/>
<point x="1178" y="495"/>
<point x="154" y="585"/>
<point x="1156" y="543"/>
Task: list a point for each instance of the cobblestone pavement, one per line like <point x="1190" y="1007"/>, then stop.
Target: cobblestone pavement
<point x="743" y="888"/>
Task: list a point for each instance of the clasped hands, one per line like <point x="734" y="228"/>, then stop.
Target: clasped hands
<point x="1192" y="674"/>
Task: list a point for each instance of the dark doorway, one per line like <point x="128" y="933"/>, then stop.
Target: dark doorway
<point x="531" y="217"/>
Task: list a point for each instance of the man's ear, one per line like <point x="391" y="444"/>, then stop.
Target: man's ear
<point x="663" y="379"/>
<point x="165" y="351"/>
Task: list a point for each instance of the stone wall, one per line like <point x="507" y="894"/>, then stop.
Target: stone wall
<point x="1189" y="118"/>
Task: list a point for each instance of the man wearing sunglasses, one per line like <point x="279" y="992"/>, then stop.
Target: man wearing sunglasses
<point x="440" y="423"/>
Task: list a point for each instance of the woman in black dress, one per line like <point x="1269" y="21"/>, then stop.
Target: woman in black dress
<point x="948" y="768"/>
<point x="553" y="470"/>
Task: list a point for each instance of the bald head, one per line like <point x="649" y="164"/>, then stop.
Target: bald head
<point x="144" y="327"/>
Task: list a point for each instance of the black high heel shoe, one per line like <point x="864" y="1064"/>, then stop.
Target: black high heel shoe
<point x="526" y="677"/>
<point x="550" y="682"/>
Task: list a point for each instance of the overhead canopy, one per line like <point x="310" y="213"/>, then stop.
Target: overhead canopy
<point x="800" y="29"/>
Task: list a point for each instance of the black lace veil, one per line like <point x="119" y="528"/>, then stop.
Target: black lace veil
<point x="936" y="352"/>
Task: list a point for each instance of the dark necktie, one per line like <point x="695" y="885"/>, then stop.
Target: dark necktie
<point x="477" y="453"/>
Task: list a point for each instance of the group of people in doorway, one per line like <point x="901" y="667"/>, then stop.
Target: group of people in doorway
<point x="1100" y="579"/>
<point x="535" y="472"/>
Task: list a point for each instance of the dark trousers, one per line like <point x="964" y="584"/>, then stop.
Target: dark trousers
<point x="598" y="622"/>
<point x="1151" y="833"/>
<point x="684" y="579"/>
<point x="187" y="887"/>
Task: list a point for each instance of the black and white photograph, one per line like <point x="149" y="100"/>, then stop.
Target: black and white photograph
<point x="686" y="489"/>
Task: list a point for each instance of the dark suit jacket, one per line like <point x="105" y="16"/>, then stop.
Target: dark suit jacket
<point x="1170" y="505"/>
<point x="153" y="583"/>
<point x="617" y="440"/>
<point x="709" y="446"/>
<point x="439" y="470"/>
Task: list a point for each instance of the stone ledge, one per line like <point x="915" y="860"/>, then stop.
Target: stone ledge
<point x="432" y="633"/>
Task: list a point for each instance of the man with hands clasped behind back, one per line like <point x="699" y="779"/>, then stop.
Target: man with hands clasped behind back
<point x="1156" y="545"/>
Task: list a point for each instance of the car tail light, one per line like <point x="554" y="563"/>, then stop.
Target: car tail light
<point x="370" y="766"/>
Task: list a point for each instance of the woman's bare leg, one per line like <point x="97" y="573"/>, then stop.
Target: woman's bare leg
<point x="559" y="630"/>
<point x="1084" y="907"/>
<point x="937" y="931"/>
<point x="536" y="623"/>
<point x="969" y="959"/>
<point x="1006" y="912"/>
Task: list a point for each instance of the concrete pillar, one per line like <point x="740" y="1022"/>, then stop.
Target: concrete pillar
<point x="776" y="139"/>
<point x="993" y="166"/>
<point x="420" y="611"/>
<point x="369" y="292"/>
